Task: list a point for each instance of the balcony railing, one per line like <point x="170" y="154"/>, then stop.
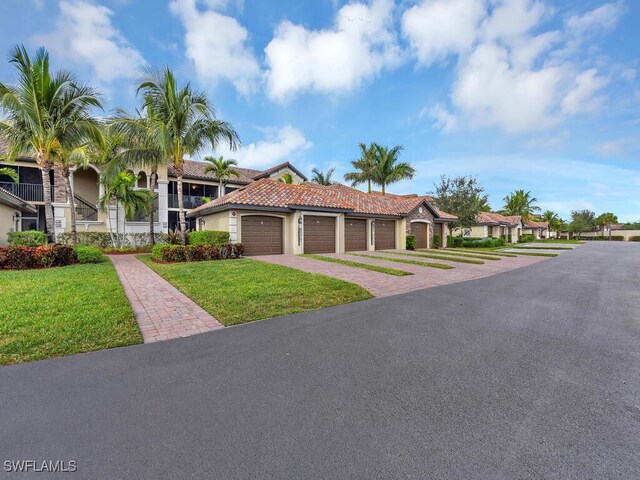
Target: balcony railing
<point x="189" y="201"/>
<point x="30" y="192"/>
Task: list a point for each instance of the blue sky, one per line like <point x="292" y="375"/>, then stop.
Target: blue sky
<point x="539" y="95"/>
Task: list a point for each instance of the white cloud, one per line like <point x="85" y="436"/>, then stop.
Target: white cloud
<point x="582" y="98"/>
<point x="84" y="34"/>
<point x="280" y="145"/>
<point x="511" y="73"/>
<point x="359" y="46"/>
<point x="438" y="28"/>
<point x="604" y="17"/>
<point x="217" y="44"/>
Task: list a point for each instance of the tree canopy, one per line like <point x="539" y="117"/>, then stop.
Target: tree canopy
<point x="582" y="221"/>
<point x="462" y="196"/>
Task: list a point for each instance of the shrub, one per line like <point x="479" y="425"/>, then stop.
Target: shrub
<point x="509" y="238"/>
<point x="614" y="238"/>
<point x="484" y="243"/>
<point x="175" y="237"/>
<point x="87" y="254"/>
<point x="196" y="253"/>
<point x="458" y="242"/>
<point x="103" y="239"/>
<point x="411" y="242"/>
<point x="634" y="239"/>
<point x="528" y="238"/>
<point x="436" y="241"/>
<point x="30" y="238"/>
<point x="208" y="237"/>
<point x="42" y="256"/>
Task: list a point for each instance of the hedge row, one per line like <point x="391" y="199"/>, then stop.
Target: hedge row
<point x="527" y="238"/>
<point x="614" y="238"/>
<point x="103" y="239"/>
<point x="634" y="239"/>
<point x="29" y="238"/>
<point x="466" y="242"/>
<point x="196" y="253"/>
<point x="208" y="237"/>
<point x="43" y="256"/>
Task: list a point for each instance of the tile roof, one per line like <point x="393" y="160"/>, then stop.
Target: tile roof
<point x="487" y="218"/>
<point x="271" y="193"/>
<point x="278" y="167"/>
<point x="11" y="200"/>
<point x="195" y="169"/>
<point x="534" y="224"/>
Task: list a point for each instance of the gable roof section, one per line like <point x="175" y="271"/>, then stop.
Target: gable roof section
<point x="9" y="199"/>
<point x="269" y="193"/>
<point x="275" y="169"/>
<point x="195" y="170"/>
<point x="486" y="218"/>
<point x="534" y="224"/>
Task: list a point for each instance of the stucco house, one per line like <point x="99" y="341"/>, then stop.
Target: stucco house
<point x="12" y="208"/>
<point x="87" y="191"/>
<point x="540" y="230"/>
<point x="270" y="217"/>
<point x="496" y="225"/>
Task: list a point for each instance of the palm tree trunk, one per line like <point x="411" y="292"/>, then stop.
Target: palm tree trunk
<point x="369" y="185"/>
<point x="72" y="206"/>
<point x="183" y="225"/>
<point x="113" y="241"/>
<point x="221" y="189"/>
<point x="117" y="224"/>
<point x="45" y="167"/>
<point x="154" y="181"/>
<point x="383" y="192"/>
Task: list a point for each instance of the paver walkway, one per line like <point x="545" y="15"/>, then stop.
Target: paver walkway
<point x="162" y="311"/>
<point x="383" y="285"/>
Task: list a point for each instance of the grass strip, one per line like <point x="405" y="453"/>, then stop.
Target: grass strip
<point x="491" y="252"/>
<point x="537" y="254"/>
<point x="408" y="262"/>
<point x="568" y="242"/>
<point x="463" y="254"/>
<point x="522" y="247"/>
<point x="366" y="266"/>
<point x="449" y="258"/>
<point x="243" y="290"/>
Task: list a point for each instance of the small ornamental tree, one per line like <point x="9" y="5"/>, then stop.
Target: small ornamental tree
<point x="463" y="196"/>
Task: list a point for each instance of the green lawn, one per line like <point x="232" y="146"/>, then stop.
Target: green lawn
<point x="366" y="266"/>
<point x="408" y="262"/>
<point x="450" y="258"/>
<point x="540" y="247"/>
<point x="62" y="311"/>
<point x="462" y="254"/>
<point x="239" y="291"/>
<point x="488" y="250"/>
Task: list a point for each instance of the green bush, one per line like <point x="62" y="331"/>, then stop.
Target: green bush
<point x="196" y="253"/>
<point x="436" y="241"/>
<point x="509" y="238"/>
<point x="528" y="238"/>
<point x="208" y="237"/>
<point x="634" y="239"/>
<point x="411" y="242"/>
<point x="103" y="239"/>
<point x="614" y="238"/>
<point x="457" y="242"/>
<point x="30" y="238"/>
<point x="87" y="254"/>
<point x="488" y="242"/>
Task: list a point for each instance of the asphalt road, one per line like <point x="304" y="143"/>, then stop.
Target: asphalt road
<point x="530" y="374"/>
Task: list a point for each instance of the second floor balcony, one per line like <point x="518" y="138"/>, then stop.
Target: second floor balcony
<point x="29" y="192"/>
<point x="190" y="201"/>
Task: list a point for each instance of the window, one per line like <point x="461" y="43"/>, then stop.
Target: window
<point x="467" y="232"/>
<point x="486" y="231"/>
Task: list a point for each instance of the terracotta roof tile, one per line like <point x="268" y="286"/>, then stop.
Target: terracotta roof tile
<point x="271" y="193"/>
<point x="487" y="218"/>
<point x="195" y="169"/>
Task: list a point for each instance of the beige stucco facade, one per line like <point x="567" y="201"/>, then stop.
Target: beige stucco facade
<point x="7" y="223"/>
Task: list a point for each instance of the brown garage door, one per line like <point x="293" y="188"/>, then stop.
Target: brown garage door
<point x="261" y="235"/>
<point x="420" y="231"/>
<point x="385" y="234"/>
<point x="355" y="235"/>
<point x="319" y="234"/>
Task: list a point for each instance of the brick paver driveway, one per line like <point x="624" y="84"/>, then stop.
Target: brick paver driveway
<point x="381" y="284"/>
<point x="162" y="311"/>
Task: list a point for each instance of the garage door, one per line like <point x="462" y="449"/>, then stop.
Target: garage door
<point x="355" y="235"/>
<point x="319" y="234"/>
<point x="385" y="234"/>
<point x="420" y="231"/>
<point x="261" y="235"/>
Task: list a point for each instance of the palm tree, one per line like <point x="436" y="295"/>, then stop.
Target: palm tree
<point x="121" y="190"/>
<point x="483" y="205"/>
<point x="222" y="169"/>
<point x="387" y="168"/>
<point x="552" y="219"/>
<point x="67" y="159"/>
<point x="321" y="177"/>
<point x="363" y="167"/>
<point x="185" y="124"/>
<point x="606" y="220"/>
<point x="36" y="113"/>
<point x="286" y="178"/>
<point x="520" y="203"/>
<point x="11" y="173"/>
<point x="139" y="148"/>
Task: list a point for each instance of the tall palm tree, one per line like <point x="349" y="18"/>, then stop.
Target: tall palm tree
<point x="11" y="173"/>
<point x="387" y="168"/>
<point x="363" y="167"/>
<point x="139" y="148"/>
<point x="520" y="203"/>
<point x="222" y="169"/>
<point x="121" y="190"/>
<point x="36" y="113"/>
<point x="185" y="124"/>
<point x="67" y="159"/>
<point x="322" y="178"/>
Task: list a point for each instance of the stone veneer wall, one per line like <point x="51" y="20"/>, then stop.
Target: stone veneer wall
<point x="425" y="215"/>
